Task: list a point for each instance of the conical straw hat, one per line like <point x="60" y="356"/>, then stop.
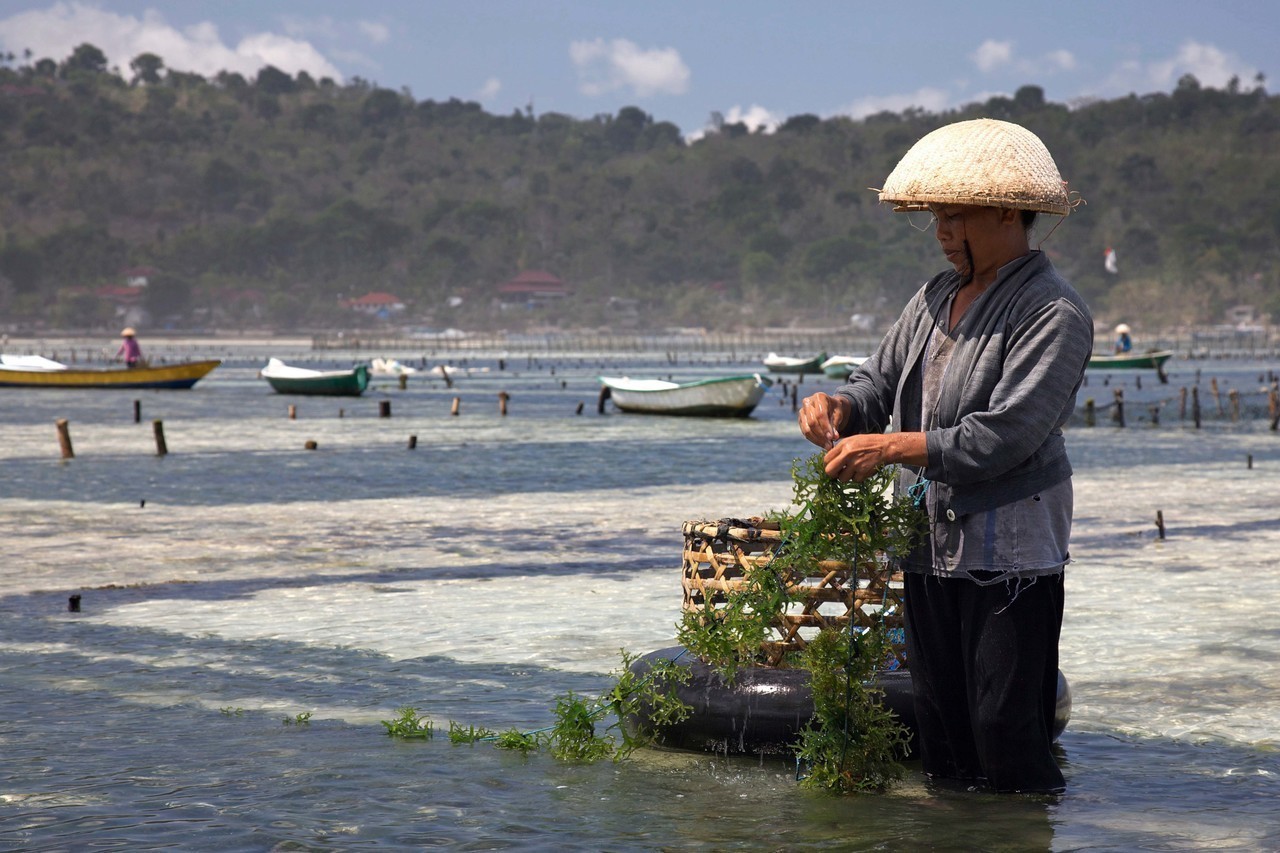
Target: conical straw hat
<point x="984" y="162"/>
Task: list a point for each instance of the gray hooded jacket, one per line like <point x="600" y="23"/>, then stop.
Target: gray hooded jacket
<point x="1019" y="360"/>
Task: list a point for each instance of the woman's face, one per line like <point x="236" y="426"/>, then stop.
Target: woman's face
<point x="968" y="235"/>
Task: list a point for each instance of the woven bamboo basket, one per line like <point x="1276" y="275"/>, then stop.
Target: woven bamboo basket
<point x="719" y="556"/>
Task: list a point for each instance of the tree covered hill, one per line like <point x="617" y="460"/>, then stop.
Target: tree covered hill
<point x="271" y="200"/>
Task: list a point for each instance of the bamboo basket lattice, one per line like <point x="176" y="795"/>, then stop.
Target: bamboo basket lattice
<point x="720" y="555"/>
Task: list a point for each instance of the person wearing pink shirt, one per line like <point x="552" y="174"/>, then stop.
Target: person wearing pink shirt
<point x="129" y="348"/>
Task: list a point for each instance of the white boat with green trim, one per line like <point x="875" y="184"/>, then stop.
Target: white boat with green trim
<point x="724" y="396"/>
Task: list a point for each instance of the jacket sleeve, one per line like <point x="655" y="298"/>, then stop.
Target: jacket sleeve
<point x="873" y="387"/>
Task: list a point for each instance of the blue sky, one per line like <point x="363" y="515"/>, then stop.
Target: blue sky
<point x="683" y="60"/>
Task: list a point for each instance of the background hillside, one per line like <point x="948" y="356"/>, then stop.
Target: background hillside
<point x="273" y="201"/>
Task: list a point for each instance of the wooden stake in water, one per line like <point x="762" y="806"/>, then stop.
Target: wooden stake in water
<point x="1090" y="416"/>
<point x="457" y="404"/>
<point x="137" y="411"/>
<point x="413" y="442"/>
<point x="64" y="438"/>
<point x="1160" y="522"/>
<point x="503" y="397"/>
<point x="384" y="408"/>
<point x="157" y="427"/>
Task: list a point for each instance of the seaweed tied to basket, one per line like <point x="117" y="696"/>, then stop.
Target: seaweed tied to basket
<point x="757" y="590"/>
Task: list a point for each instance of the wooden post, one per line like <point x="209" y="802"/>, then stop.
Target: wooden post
<point x="1154" y="411"/>
<point x="310" y="445"/>
<point x="384" y="408"/>
<point x="1182" y="403"/>
<point x="157" y="427"/>
<point x="1090" y="412"/>
<point x="64" y="438"/>
<point x="404" y="381"/>
<point x="1195" y="405"/>
<point x="73" y="604"/>
<point x="1249" y="462"/>
<point x="413" y="442"/>
<point x="1118" y="415"/>
<point x="457" y="404"/>
<point x="580" y="406"/>
<point x="341" y="413"/>
<point x="1217" y="398"/>
<point x="137" y="411"/>
<point x="795" y="392"/>
<point x="1160" y="522"/>
<point x="503" y="397"/>
<point x="605" y="393"/>
<point x="1234" y="396"/>
<point x="293" y="412"/>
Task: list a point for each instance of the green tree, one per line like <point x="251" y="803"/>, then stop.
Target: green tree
<point x="87" y="58"/>
<point x="146" y="68"/>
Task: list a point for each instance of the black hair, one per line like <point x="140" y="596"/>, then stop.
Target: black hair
<point x="1029" y="220"/>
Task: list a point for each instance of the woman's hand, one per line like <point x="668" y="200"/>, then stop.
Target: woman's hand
<point x="856" y="458"/>
<point x="859" y="456"/>
<point x="820" y="418"/>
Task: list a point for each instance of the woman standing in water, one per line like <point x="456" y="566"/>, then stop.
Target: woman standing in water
<point x="969" y="392"/>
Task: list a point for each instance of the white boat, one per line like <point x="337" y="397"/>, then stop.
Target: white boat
<point x="725" y="396"/>
<point x="390" y="367"/>
<point x="841" y="366"/>
<point x="288" y="379"/>
<point x="793" y="364"/>
<point x="29" y="362"/>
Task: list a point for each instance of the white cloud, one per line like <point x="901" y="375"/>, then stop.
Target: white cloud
<point x="927" y="98"/>
<point x="56" y="31"/>
<point x="375" y="32"/>
<point x="991" y="54"/>
<point x="1062" y="60"/>
<point x="1210" y="65"/>
<point x="608" y="66"/>
<point x="755" y="117"/>
<point x="490" y="89"/>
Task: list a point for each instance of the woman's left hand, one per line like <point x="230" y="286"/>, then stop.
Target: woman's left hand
<point x="856" y="458"/>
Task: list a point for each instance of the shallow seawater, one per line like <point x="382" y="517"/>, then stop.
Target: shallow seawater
<point x="241" y="583"/>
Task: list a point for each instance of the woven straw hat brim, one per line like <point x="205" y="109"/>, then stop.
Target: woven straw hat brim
<point x="983" y="162"/>
<point x="128" y="332"/>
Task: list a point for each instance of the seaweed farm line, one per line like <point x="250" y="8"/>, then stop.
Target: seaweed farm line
<point x="249" y="613"/>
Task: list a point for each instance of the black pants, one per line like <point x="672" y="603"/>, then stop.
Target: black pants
<point x="984" y="673"/>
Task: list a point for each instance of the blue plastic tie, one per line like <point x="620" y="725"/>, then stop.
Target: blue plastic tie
<point x="917" y="492"/>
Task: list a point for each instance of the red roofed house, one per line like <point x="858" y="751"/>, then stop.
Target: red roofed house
<point x="376" y="304"/>
<point x="532" y="288"/>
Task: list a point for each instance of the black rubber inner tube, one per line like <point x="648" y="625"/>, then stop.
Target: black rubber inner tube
<point x="766" y="707"/>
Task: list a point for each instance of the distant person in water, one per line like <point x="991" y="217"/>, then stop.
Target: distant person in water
<point x="1124" y="343"/>
<point x="129" y="348"/>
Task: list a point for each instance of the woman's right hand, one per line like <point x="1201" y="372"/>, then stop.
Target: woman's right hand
<point x="820" y="418"/>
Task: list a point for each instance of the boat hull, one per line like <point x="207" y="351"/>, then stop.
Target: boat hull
<point x="732" y="397"/>
<point x="171" y="376"/>
<point x="288" y="379"/>
<point x="791" y="365"/>
<point x="1132" y="361"/>
<point x="840" y="367"/>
